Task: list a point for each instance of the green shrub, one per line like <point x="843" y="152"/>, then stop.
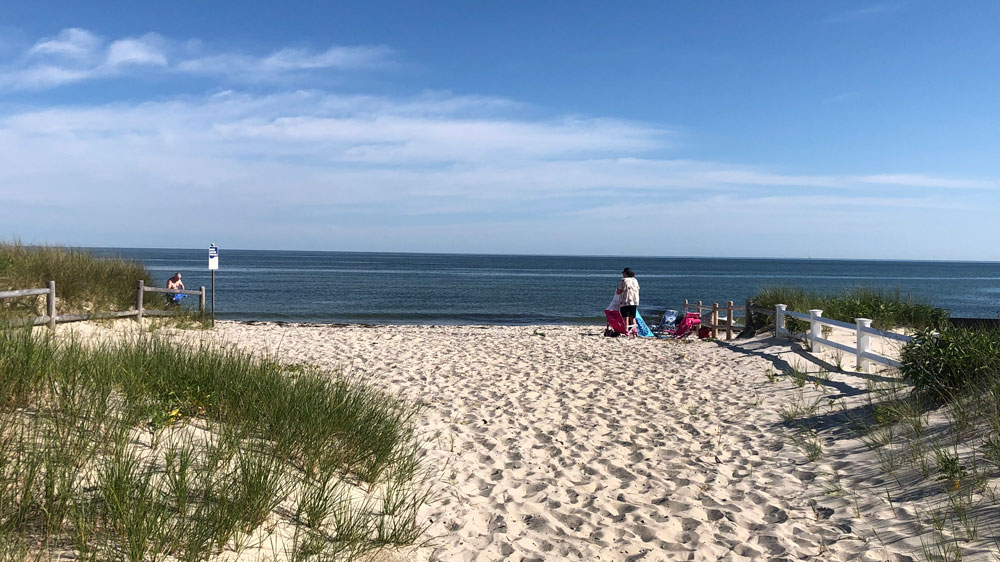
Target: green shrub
<point x="954" y="361"/>
<point x="886" y="310"/>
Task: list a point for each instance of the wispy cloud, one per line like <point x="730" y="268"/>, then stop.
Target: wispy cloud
<point x="76" y="55"/>
<point x="73" y="43"/>
<point x="845" y="97"/>
<point x="358" y="149"/>
<point x="865" y="14"/>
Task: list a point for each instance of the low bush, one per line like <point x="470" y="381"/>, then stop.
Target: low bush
<point x="949" y="363"/>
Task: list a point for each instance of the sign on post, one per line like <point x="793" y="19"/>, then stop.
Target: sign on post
<point x="213" y="264"/>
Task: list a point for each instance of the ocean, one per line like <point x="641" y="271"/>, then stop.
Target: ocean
<point x="390" y="288"/>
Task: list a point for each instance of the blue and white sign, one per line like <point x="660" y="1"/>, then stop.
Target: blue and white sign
<point x="213" y="257"/>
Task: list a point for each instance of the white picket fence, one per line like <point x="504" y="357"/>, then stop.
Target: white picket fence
<point x="862" y="328"/>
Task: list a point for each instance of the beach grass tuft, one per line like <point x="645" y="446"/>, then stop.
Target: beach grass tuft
<point x="885" y="309"/>
<point x="84" y="282"/>
<point x="139" y="449"/>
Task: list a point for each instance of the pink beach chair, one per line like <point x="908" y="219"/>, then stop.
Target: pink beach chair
<point x="616" y="323"/>
<point x="684" y="326"/>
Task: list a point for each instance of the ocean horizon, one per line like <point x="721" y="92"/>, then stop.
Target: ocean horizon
<point x="511" y="289"/>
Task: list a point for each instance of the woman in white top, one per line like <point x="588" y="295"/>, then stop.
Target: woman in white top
<point x="628" y="299"/>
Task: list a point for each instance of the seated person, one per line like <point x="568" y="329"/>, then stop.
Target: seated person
<point x="175" y="283"/>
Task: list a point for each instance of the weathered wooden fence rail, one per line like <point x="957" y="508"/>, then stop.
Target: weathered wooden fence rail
<point x="143" y="289"/>
<point x="729" y="324"/>
<point x="52" y="318"/>
<point x="50" y="303"/>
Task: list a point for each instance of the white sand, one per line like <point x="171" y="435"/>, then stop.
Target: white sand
<point x="569" y="445"/>
<point x="555" y="443"/>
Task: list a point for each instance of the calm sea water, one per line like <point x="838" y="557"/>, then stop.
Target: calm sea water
<point x="388" y="288"/>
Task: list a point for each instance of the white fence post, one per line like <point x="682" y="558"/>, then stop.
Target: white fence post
<point x="864" y="343"/>
<point x="779" y="320"/>
<point x="815" y="330"/>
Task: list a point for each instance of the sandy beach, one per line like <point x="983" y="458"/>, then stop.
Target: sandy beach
<point x="556" y="443"/>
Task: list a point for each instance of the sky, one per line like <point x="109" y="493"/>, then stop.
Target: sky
<point x="730" y="129"/>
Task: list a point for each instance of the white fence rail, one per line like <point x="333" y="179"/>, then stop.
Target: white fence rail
<point x="862" y="328"/>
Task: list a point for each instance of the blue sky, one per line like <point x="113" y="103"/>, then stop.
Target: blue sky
<point x="769" y="129"/>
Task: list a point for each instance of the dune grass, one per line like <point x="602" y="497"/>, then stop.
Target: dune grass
<point x="934" y="428"/>
<point x="145" y="450"/>
<point x="84" y="282"/>
<point x="933" y="425"/>
<point x="886" y="310"/>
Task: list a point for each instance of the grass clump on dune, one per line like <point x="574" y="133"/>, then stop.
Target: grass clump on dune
<point x="144" y="450"/>
<point x="886" y="310"/>
<point x="84" y="282"/>
<point x="952" y="362"/>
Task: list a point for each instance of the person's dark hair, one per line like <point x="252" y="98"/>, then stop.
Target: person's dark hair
<point x="628" y="272"/>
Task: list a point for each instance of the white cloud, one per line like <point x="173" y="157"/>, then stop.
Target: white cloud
<point x="919" y="180"/>
<point x="147" y="50"/>
<point x="365" y="149"/>
<point x="865" y="14"/>
<point x="334" y="57"/>
<point x="73" y="43"/>
<point x="76" y="54"/>
<point x="42" y="76"/>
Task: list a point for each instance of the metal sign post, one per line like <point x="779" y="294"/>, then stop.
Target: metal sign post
<point x="213" y="264"/>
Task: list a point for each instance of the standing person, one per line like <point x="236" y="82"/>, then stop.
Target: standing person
<point x="628" y="299"/>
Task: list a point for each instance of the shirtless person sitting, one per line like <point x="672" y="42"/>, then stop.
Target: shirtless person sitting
<point x="175" y="283"/>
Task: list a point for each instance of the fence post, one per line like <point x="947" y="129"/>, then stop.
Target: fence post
<point x="138" y="301"/>
<point x="729" y="321"/>
<point x="51" y="305"/>
<point x="815" y="330"/>
<point x="748" y="315"/>
<point x="715" y="321"/>
<point x="201" y="302"/>
<point x="685" y="306"/>
<point x="864" y="343"/>
<point x="779" y="320"/>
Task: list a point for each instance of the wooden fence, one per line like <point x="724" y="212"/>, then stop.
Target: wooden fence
<point x="727" y="324"/>
<point x="51" y="318"/>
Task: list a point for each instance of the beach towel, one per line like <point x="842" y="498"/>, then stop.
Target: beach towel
<point x="643" y="329"/>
